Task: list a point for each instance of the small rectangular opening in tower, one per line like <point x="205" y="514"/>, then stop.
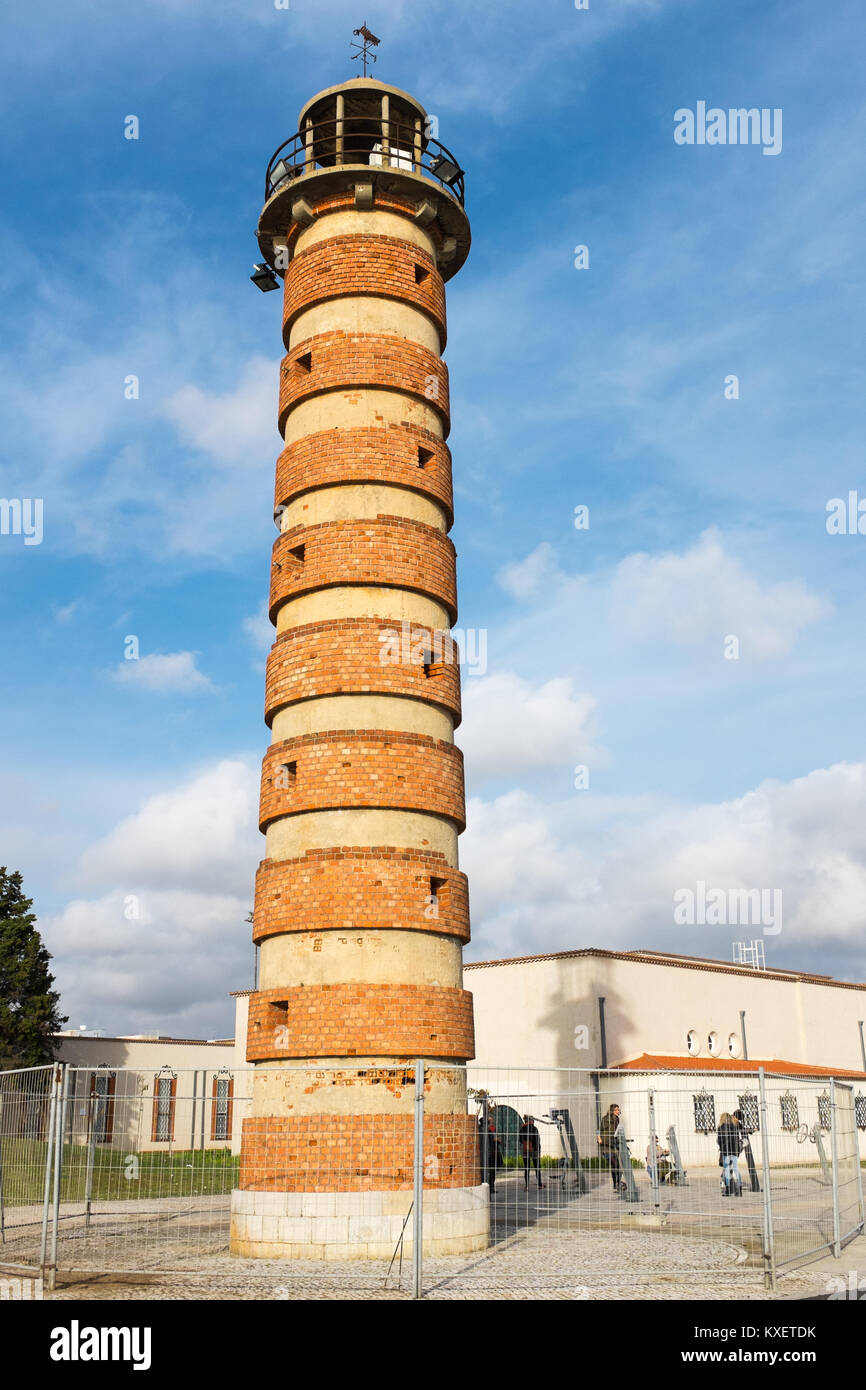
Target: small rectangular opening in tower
<point x="434" y="664"/>
<point x="305" y="361"/>
<point x="421" y="274"/>
<point x="425" y="456"/>
<point x="439" y="892"/>
<point x="297" y="551"/>
<point x="287" y="775"/>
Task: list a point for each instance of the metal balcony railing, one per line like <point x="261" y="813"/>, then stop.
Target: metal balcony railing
<point x="364" y="140"/>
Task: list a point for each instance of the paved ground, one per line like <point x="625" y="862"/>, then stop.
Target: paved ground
<point x="548" y="1244"/>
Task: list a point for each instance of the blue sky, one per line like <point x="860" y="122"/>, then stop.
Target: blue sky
<point x="602" y="387"/>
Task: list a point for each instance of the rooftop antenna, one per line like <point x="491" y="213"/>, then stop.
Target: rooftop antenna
<point x="362" y="50"/>
<point x="750" y="953"/>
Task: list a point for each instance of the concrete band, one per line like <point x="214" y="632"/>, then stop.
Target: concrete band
<point x="351" y="890"/>
<point x="344" y="362"/>
<point x="362" y="502"/>
<point x="363" y="601"/>
<point x="361" y="957"/>
<point x="364" y="407"/>
<point x="344" y="712"/>
<point x="360" y="1020"/>
<point x="343" y="220"/>
<point x="357" y="825"/>
<point x="363" y="656"/>
<point x="332" y="213"/>
<point x="362" y="768"/>
<point x="392" y="552"/>
<point x="401" y="455"/>
<point x="359" y="265"/>
<point x="374" y="1086"/>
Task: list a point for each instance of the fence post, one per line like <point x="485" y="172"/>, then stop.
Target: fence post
<point x="49" y="1155"/>
<point x="58" y="1174"/>
<point x="418" y="1185"/>
<point x="834" y="1152"/>
<point x="769" y="1240"/>
<point x="859" y="1173"/>
<point x="91" y="1152"/>
<point x="653" y="1148"/>
<point x="2" y="1215"/>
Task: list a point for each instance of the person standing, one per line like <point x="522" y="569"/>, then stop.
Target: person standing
<point x="657" y="1159"/>
<point x="530" y="1145"/>
<point x="489" y="1145"/>
<point x="607" y="1138"/>
<point x="730" y="1142"/>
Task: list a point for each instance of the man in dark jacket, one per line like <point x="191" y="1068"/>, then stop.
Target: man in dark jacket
<point x="610" y="1146"/>
<point x="489" y="1145"/>
<point x="530" y="1147"/>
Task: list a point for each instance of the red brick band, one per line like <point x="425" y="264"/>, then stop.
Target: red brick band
<point x="402" y="455"/>
<point x="390" y="551"/>
<point x="360" y="1020"/>
<point x="364" y="264"/>
<point x="370" y="656"/>
<point x="355" y="1153"/>
<point x="348" y="362"/>
<point x="361" y="890"/>
<point x="362" y="768"/>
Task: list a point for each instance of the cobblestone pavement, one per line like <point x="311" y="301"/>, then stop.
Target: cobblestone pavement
<point x="547" y="1245"/>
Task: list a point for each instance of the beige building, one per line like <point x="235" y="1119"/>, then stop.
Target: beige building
<point x="609" y="1026"/>
<point x="149" y="1093"/>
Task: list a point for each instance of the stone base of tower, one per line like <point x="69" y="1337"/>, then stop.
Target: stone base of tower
<point x="356" y="1225"/>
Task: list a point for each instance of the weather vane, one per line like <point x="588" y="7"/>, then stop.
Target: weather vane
<point x="363" y="49"/>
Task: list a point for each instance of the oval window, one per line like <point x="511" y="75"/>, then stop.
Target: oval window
<point x="693" y="1042"/>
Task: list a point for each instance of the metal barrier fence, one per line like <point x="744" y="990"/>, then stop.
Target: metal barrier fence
<point x="451" y="1178"/>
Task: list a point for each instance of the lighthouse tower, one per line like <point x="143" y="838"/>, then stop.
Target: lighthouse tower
<point x="361" y="912"/>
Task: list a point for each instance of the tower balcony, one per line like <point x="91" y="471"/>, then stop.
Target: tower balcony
<point x="365" y="135"/>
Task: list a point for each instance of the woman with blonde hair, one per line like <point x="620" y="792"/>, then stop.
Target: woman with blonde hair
<point x="730" y="1145"/>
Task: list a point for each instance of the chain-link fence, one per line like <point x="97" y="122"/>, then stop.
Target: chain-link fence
<point x="442" y="1177"/>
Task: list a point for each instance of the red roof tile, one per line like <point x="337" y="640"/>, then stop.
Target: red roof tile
<point x="651" y="1062"/>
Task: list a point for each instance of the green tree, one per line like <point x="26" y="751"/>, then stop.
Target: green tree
<point x="29" y="1012"/>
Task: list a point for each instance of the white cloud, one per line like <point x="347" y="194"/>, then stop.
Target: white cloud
<point x="596" y="871"/>
<point x="523" y="578"/>
<point x="200" y="836"/>
<point x="693" y="598"/>
<point x="259" y="630"/>
<point x="163" y="938"/>
<point x="167" y="673"/>
<point x="168" y="968"/>
<point x="510" y="725"/>
<point x="236" y="427"/>
<point x="66" y="614"/>
<point x="704" y="594"/>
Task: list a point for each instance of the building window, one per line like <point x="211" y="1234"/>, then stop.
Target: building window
<point x="705" y="1113"/>
<point x="714" y="1044"/>
<point x="733" y="1045"/>
<point x="693" y="1042"/>
<point x="790" y="1112"/>
<point x="824" y="1114"/>
<point x="860" y="1111"/>
<point x="751" y="1116"/>
<point x="102" y="1087"/>
<point x="164" y="1092"/>
<point x="221" y="1121"/>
